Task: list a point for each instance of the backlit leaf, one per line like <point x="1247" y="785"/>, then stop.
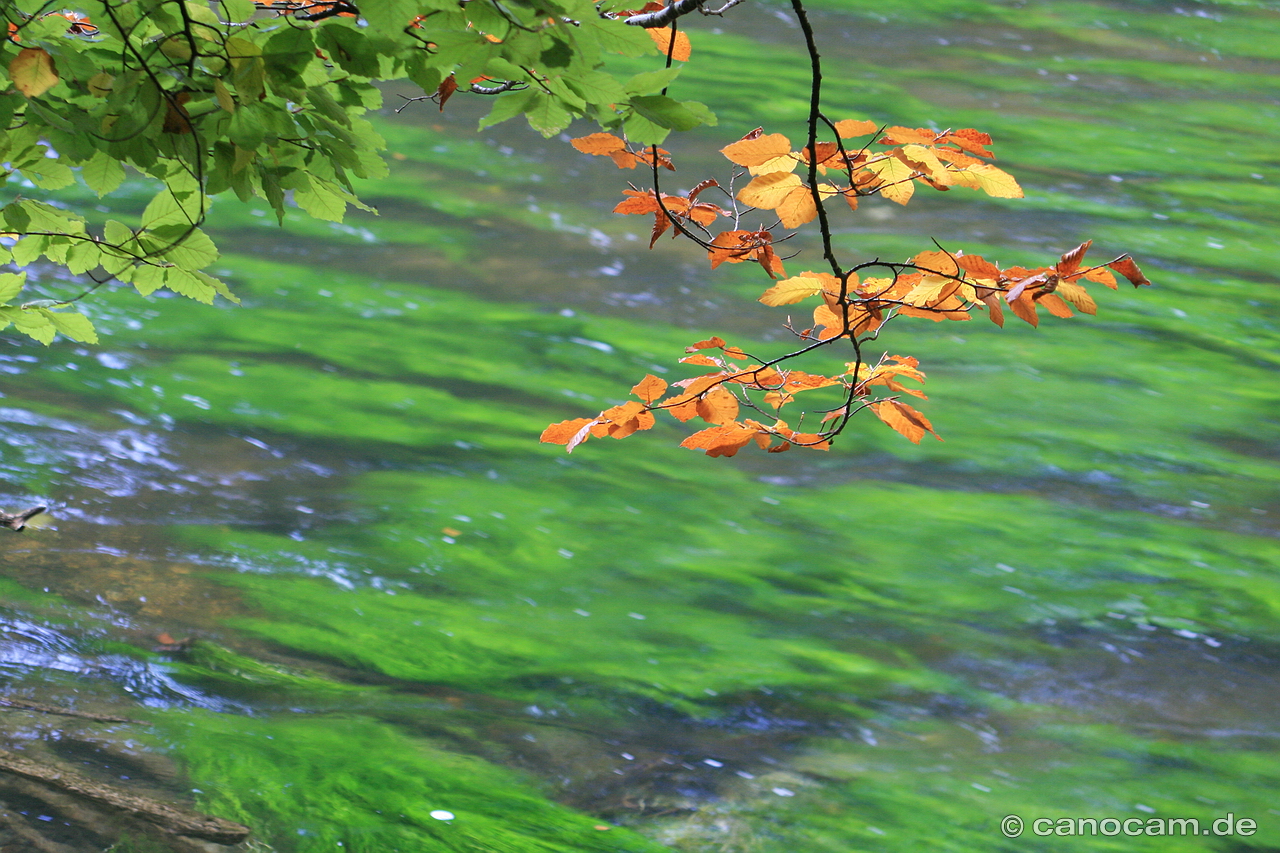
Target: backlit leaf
<point x="32" y="72"/>
<point x="794" y="289"/>
<point x="904" y="419"/>
<point x="650" y="388"/>
<point x="754" y="151"/>
<point x="768" y="191"/>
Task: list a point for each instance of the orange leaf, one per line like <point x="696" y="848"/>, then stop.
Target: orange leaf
<point x="973" y="141"/>
<point x="569" y="433"/>
<point x="851" y="127"/>
<point x="724" y="440"/>
<point x="650" y="388"/>
<point x="904" y="419"/>
<point x="662" y="38"/>
<point x="979" y="266"/>
<point x="752" y="151"/>
<point x="713" y="342"/>
<point x="638" y="203"/>
<point x="1056" y="306"/>
<point x="1102" y="275"/>
<point x="718" y="406"/>
<point x="598" y="143"/>
<point x="1025" y="309"/>
<point x="1127" y="268"/>
<point x="700" y="359"/>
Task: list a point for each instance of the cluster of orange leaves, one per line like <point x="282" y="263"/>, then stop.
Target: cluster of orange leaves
<point x="948" y="286"/>
<point x="940" y="159"/>
<point x="937" y="285"/>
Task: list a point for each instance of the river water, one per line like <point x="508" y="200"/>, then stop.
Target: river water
<point x="417" y="629"/>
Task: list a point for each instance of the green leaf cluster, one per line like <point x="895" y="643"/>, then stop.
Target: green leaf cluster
<point x="266" y="102"/>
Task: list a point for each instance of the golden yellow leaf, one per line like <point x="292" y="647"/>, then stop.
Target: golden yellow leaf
<point x="923" y="160"/>
<point x="32" y="72"/>
<point x="797" y="208"/>
<point x="768" y="191"/>
<point x="792" y="290"/>
<point x="895" y="181"/>
<point x="786" y="163"/>
<point x="992" y="181"/>
<point x="1077" y="296"/>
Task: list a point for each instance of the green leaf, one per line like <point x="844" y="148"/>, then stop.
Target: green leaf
<point x="548" y="115"/>
<point x="11" y="284"/>
<point x="166" y="208"/>
<point x="117" y="233"/>
<point x="28" y="249"/>
<point x="218" y="286"/>
<point x="238" y="11"/>
<point x="652" y="81"/>
<point x="147" y="279"/>
<point x="35" y="323"/>
<point x="83" y="256"/>
<point x="74" y="325"/>
<point x="640" y="129"/>
<point x="103" y="173"/>
<point x="322" y="201"/>
<point x="184" y="282"/>
<point x="508" y="106"/>
<point x="597" y="87"/>
<point x="617" y="37"/>
<point x="48" y="173"/>
<point x="666" y="112"/>
<point x="189" y="248"/>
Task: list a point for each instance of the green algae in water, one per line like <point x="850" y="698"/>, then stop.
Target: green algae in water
<point x="333" y="781"/>
<point x="1103" y="480"/>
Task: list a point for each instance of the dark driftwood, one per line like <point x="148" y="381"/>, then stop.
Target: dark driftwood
<point x="169" y="818"/>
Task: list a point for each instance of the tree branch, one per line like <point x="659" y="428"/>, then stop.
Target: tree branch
<point x="663" y="17"/>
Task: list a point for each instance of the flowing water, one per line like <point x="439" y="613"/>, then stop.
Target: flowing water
<point x="417" y="629"/>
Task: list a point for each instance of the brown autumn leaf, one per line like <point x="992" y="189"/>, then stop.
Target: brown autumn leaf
<point x="32" y="72"/>
<point x="446" y="89"/>
<point x="1127" y="268"/>
<point x="713" y="342"/>
<point x="1071" y="260"/>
